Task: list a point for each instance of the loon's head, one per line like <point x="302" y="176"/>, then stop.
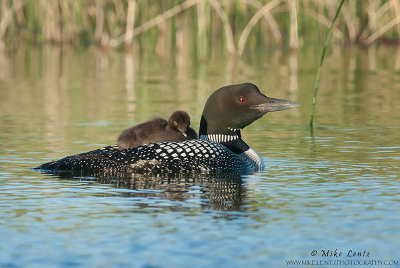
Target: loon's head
<point x="231" y="108"/>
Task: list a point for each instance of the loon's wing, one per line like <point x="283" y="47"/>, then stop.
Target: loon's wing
<point x="186" y="156"/>
<point x="96" y="160"/>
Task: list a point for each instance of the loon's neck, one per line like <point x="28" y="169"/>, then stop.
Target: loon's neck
<point x="229" y="137"/>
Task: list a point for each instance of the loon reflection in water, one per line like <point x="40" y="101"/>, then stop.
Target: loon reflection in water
<point x="220" y="148"/>
<point x="225" y="192"/>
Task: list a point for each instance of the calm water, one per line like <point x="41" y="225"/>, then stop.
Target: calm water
<point x="335" y="189"/>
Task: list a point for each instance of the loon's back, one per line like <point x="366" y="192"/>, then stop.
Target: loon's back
<point x="186" y="156"/>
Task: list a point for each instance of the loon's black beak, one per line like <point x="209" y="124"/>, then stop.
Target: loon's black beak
<point x="274" y="105"/>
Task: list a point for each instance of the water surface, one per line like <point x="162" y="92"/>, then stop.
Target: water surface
<point x="335" y="188"/>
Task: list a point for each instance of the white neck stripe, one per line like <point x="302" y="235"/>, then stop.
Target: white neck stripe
<point x="219" y="137"/>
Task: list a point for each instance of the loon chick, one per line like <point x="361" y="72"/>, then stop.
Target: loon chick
<point x="158" y="130"/>
<point x="180" y="121"/>
<point x="219" y="149"/>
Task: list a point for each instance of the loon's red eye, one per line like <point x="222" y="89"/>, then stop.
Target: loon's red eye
<point x="242" y="99"/>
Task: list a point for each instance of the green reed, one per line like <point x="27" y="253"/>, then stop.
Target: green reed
<point x="237" y="24"/>
<point x="318" y="76"/>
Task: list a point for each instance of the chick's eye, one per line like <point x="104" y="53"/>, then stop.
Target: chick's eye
<point x="242" y="99"/>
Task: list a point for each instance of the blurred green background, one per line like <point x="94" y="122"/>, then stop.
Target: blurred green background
<point x="227" y="25"/>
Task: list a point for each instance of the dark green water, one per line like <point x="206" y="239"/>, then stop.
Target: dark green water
<point x="336" y="189"/>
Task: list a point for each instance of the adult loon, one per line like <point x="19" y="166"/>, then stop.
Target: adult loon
<point x="158" y="130"/>
<point x="219" y="149"/>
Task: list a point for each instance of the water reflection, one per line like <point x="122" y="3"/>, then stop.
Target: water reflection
<point x="293" y="65"/>
<point x="397" y="61"/>
<point x="54" y="92"/>
<point x="213" y="191"/>
<point x="4" y="66"/>
<point x="87" y="85"/>
<point x="130" y="84"/>
<point x="344" y="178"/>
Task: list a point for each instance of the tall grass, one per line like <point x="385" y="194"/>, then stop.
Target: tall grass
<point x="237" y="24"/>
<point x="318" y="76"/>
